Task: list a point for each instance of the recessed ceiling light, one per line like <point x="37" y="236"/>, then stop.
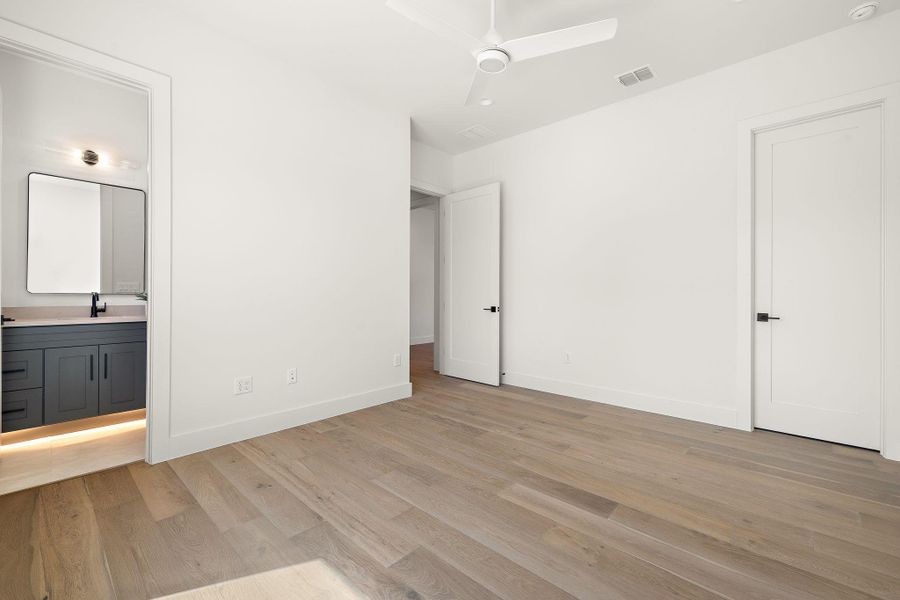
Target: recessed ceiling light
<point x="486" y="102"/>
<point x="864" y="11"/>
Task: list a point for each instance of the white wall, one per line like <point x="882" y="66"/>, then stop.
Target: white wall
<point x="421" y="284"/>
<point x="432" y="169"/>
<point x="49" y="111"/>
<point x="619" y="228"/>
<point x="290" y="226"/>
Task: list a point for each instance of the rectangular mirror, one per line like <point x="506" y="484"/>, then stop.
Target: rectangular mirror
<point x="84" y="237"/>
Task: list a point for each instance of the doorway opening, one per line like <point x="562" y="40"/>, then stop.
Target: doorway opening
<point x="86" y="334"/>
<point x="455" y="251"/>
<point x="424" y="269"/>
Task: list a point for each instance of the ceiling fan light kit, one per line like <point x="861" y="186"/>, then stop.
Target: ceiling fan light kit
<point x="492" y="60"/>
<point x="493" y="54"/>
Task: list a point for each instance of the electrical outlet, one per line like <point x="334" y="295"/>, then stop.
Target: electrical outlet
<point x="243" y="385"/>
<point x="397" y="359"/>
<point x="292" y="376"/>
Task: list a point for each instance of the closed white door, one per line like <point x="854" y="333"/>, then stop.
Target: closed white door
<point x="470" y="284"/>
<point x="818" y="279"/>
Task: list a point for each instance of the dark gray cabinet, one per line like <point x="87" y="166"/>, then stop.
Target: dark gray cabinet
<point x="70" y="383"/>
<point x="60" y="373"/>
<point x="123" y="380"/>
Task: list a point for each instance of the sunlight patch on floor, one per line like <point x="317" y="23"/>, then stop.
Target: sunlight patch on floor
<point x="314" y="580"/>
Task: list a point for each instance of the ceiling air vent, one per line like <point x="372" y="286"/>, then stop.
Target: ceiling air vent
<point x="477" y="133"/>
<point x="634" y="77"/>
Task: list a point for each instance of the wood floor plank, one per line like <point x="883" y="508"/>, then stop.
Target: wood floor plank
<point x="284" y="510"/>
<point x="141" y="564"/>
<point x="195" y="541"/>
<point x="491" y="569"/>
<point x="221" y="501"/>
<point x="433" y="578"/>
<point x="20" y="561"/>
<point x="163" y="492"/>
<point x="74" y="561"/>
<point x="373" y="579"/>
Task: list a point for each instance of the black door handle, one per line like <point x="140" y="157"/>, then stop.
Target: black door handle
<point x="105" y="365"/>
<point x="492" y="309"/>
<point x="765" y="318"/>
<point x="92" y="367"/>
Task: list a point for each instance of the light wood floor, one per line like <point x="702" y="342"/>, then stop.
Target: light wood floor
<point x="471" y="493"/>
<point x="36" y="462"/>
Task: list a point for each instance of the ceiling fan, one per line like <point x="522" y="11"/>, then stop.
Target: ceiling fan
<point x="492" y="54"/>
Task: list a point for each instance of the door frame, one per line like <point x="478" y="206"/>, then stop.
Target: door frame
<point x="887" y="98"/>
<point x="158" y="87"/>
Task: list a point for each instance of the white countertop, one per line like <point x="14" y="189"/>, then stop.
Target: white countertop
<point x="46" y="321"/>
<point x="44" y="316"/>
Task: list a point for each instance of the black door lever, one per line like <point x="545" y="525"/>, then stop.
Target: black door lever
<point x="492" y="309"/>
<point x="765" y="318"/>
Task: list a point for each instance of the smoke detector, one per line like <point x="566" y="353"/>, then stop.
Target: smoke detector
<point x="864" y="11"/>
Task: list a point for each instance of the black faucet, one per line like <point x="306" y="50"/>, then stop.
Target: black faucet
<point x="95" y="297"/>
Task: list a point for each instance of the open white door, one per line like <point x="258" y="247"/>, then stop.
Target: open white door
<point x="470" y="284"/>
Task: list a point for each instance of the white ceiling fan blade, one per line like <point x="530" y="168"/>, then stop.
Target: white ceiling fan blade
<point x="412" y="11"/>
<point x="478" y="88"/>
<point x="560" y="40"/>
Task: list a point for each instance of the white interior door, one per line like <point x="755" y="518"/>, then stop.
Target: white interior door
<point x="818" y="359"/>
<point x="470" y="284"/>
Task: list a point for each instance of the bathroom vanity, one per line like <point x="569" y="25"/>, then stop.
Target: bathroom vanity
<point x="59" y="369"/>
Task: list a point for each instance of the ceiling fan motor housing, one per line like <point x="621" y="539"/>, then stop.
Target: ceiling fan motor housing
<point x="492" y="60"/>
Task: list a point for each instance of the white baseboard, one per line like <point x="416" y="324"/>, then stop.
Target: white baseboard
<point x="213" y="437"/>
<point x="714" y="415"/>
<point x="425" y="339"/>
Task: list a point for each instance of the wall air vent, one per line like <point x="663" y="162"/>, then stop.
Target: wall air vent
<point x="634" y="77"/>
<point x="476" y="133"/>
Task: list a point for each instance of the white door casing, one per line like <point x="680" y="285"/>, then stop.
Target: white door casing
<point x="818" y="273"/>
<point x="470" y="284"/>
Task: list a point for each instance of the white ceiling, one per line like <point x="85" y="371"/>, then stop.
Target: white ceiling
<point x="368" y="49"/>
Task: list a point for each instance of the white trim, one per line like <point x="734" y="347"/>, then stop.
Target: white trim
<point x="425" y="339"/>
<point x="198" y="440"/>
<point x="431" y="189"/>
<point x="682" y="409"/>
<point x="159" y="195"/>
<point x="887" y="97"/>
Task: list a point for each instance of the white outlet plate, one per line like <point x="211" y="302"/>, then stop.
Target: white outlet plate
<point x="243" y="385"/>
<point x="397" y="359"/>
<point x="292" y="376"/>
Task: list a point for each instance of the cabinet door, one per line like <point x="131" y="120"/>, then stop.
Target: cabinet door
<point x="71" y="383"/>
<point x="123" y="377"/>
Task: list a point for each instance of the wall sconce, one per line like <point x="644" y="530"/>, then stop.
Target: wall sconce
<point x="90" y="157"/>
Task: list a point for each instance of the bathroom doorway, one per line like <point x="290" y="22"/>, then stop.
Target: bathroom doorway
<point x="81" y="384"/>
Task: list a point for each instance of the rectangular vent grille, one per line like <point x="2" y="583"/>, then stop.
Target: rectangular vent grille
<point x="634" y="77"/>
<point x="476" y="133"/>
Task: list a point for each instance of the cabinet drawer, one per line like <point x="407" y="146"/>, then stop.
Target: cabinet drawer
<point x="23" y="369"/>
<point x="23" y="409"/>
